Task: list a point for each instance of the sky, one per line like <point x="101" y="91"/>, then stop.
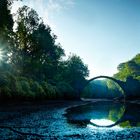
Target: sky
<point x="104" y="33"/>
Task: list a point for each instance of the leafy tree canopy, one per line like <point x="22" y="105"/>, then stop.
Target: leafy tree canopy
<point x="130" y="68"/>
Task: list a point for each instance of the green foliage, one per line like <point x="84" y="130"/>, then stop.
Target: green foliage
<point x="130" y="68"/>
<point x="64" y="90"/>
<point x="116" y="114"/>
<point x="33" y="67"/>
<point x="102" y="88"/>
<point x="130" y="73"/>
<point x="37" y="89"/>
<point x="50" y="91"/>
<point x="38" y="54"/>
<point x="74" y="72"/>
<point x="6" y="21"/>
<point x="114" y="89"/>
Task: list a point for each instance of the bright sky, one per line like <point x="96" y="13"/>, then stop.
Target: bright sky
<point x="103" y="33"/>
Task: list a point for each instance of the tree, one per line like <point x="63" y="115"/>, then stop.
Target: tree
<point x="6" y="20"/>
<point x="130" y="73"/>
<point x="33" y="65"/>
<point x="75" y="72"/>
<point x="38" y="52"/>
<point x="6" y="32"/>
<point x="130" y="68"/>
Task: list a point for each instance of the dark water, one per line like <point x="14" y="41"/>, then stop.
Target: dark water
<point x="107" y="114"/>
<point x="47" y="121"/>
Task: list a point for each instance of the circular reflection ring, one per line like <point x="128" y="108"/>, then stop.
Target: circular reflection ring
<point x="119" y="83"/>
<point x="111" y="125"/>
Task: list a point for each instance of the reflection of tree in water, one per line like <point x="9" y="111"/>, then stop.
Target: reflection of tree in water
<point x="95" y="111"/>
<point x="131" y="117"/>
<point x="115" y="112"/>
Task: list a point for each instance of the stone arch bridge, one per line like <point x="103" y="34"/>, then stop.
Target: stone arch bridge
<point x="119" y="82"/>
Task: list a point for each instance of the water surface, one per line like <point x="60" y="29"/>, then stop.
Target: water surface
<point x="105" y="114"/>
<point x="47" y="120"/>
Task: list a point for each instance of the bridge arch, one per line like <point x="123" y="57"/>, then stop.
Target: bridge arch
<point x="120" y="83"/>
<point x="107" y="77"/>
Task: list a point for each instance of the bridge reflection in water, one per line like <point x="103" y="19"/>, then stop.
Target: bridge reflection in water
<point x="108" y="112"/>
<point x="104" y="114"/>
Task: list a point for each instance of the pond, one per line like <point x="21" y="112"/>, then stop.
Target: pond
<point x="105" y="114"/>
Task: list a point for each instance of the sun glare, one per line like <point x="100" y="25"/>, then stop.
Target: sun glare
<point x="1" y="54"/>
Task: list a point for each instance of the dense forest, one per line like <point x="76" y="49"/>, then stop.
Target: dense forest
<point x="32" y="63"/>
<point x="34" y="66"/>
<point x="129" y="72"/>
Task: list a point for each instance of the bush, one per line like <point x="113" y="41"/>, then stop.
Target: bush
<point x="37" y="89"/>
<point x="50" y="91"/>
<point x="65" y="90"/>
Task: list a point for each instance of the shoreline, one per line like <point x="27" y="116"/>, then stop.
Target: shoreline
<point x="48" y="119"/>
